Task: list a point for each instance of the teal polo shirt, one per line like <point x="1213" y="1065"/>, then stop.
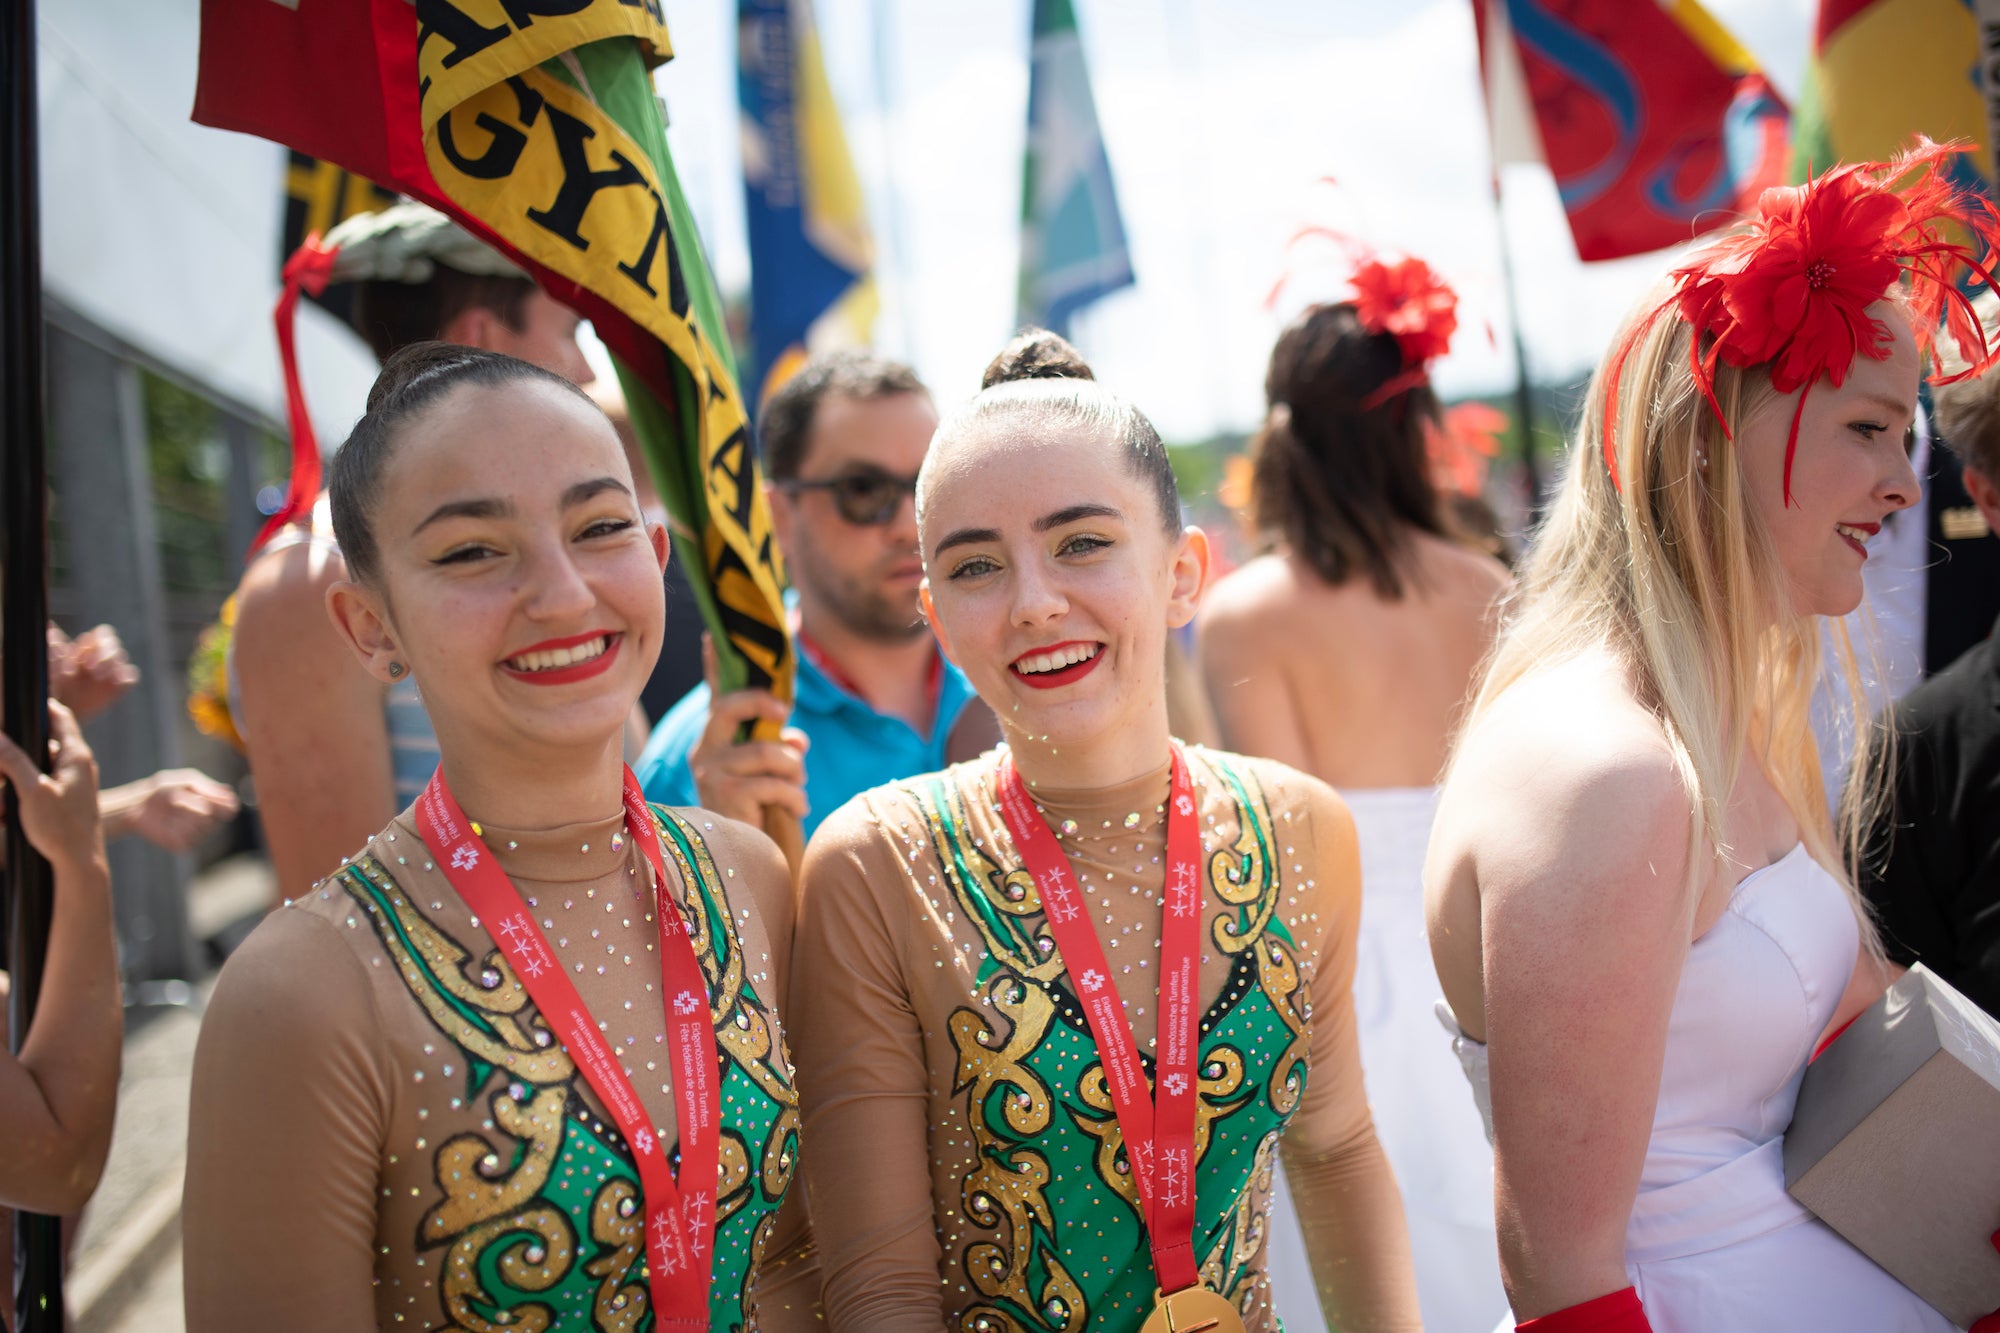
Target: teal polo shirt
<point x="853" y="746"/>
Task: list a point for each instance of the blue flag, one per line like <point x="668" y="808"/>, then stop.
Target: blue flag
<point x="810" y="249"/>
<point x="1072" y="240"/>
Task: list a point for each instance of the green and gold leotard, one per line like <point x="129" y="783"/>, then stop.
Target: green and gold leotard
<point x="424" y="1143"/>
<point x="966" y="1166"/>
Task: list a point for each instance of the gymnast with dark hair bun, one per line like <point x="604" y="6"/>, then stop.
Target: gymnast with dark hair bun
<point x="1060" y="1010"/>
<point x="518" y="1062"/>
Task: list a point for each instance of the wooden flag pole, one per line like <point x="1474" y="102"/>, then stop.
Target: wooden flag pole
<point x="38" y="1303"/>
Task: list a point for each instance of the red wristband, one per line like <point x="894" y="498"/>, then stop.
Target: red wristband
<point x="1620" y="1312"/>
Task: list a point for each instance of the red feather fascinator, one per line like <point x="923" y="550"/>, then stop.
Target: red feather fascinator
<point x="1791" y="290"/>
<point x="1408" y="300"/>
<point x="1403" y="297"/>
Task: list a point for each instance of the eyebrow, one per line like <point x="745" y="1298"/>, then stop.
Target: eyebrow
<point x="1891" y="404"/>
<point x="581" y="493"/>
<point x="585" y="491"/>
<point x="965" y="537"/>
<point x="1046" y="523"/>
<point x="1049" y="522"/>
<point x="465" y="509"/>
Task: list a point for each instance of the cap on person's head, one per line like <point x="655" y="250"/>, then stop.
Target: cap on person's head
<point x="406" y="242"/>
<point x="416" y="271"/>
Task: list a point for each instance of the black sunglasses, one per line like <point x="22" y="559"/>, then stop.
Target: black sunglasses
<point x="867" y="499"/>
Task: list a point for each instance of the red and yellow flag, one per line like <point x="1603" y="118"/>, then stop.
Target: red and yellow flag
<point x="534" y="124"/>
<point x="1654" y="120"/>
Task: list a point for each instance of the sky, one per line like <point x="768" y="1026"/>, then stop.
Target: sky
<point x="1224" y="120"/>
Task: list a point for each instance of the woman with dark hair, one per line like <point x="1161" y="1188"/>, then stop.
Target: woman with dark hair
<point x="1059" y="1009"/>
<point x="440" y="1089"/>
<point x="1348" y="651"/>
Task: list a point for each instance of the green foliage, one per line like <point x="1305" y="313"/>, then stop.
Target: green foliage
<point x="190" y="469"/>
<point x="1198" y="465"/>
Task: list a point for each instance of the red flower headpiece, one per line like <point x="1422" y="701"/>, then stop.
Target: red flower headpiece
<point x="1791" y="291"/>
<point x="1407" y="299"/>
<point x="1403" y="297"/>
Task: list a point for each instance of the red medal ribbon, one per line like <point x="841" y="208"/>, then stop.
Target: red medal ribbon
<point x="1159" y="1128"/>
<point x="680" y="1225"/>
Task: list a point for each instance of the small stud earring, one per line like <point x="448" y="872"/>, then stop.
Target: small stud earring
<point x="1701" y="459"/>
<point x="395" y="671"/>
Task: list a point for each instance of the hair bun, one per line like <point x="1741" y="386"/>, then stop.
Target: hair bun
<point x="1036" y="354"/>
<point x="413" y="362"/>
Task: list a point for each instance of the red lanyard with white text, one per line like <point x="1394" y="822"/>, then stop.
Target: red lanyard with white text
<point x="1159" y="1135"/>
<point x="680" y="1224"/>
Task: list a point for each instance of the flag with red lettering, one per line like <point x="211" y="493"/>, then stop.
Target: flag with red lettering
<point x="534" y="124"/>
<point x="1654" y="120"/>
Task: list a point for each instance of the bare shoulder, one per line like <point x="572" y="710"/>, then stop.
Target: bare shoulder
<point x="288" y="583"/>
<point x="1247" y="597"/>
<point x="1466" y="572"/>
<point x="282" y="625"/>
<point x="1566" y="780"/>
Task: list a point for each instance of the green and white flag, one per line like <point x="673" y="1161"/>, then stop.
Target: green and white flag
<point x="1072" y="239"/>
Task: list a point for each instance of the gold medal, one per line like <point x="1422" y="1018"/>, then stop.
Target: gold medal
<point x="1192" y="1310"/>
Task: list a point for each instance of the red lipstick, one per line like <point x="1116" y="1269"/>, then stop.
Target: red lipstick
<point x="575" y="671"/>
<point x="1049" y="680"/>
<point x="1870" y="528"/>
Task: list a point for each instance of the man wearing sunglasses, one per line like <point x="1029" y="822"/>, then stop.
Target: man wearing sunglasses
<point x="841" y="442"/>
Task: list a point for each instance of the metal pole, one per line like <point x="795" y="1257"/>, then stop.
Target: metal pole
<point x="1524" y="398"/>
<point x="24" y="597"/>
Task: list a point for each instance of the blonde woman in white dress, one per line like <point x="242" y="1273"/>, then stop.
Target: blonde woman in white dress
<point x="1641" y="912"/>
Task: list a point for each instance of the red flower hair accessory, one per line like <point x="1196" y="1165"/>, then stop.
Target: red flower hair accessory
<point x="1407" y="299"/>
<point x="1791" y="291"/>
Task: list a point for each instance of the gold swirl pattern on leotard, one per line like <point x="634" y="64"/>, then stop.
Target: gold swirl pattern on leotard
<point x="1245" y="875"/>
<point x="540" y="1217"/>
<point x="1034" y="1180"/>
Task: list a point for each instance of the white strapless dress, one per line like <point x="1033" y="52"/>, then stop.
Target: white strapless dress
<point x="1715" y="1245"/>
<point x="1428" y="1126"/>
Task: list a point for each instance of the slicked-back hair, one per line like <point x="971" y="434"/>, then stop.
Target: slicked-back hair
<point x="1036" y="354"/>
<point x="412" y="380"/>
<point x="1044" y="382"/>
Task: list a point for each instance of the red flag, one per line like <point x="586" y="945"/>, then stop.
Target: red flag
<point x="1655" y="122"/>
<point x="305" y="75"/>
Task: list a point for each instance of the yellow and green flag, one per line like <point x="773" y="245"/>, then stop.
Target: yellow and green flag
<point x="534" y="124"/>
